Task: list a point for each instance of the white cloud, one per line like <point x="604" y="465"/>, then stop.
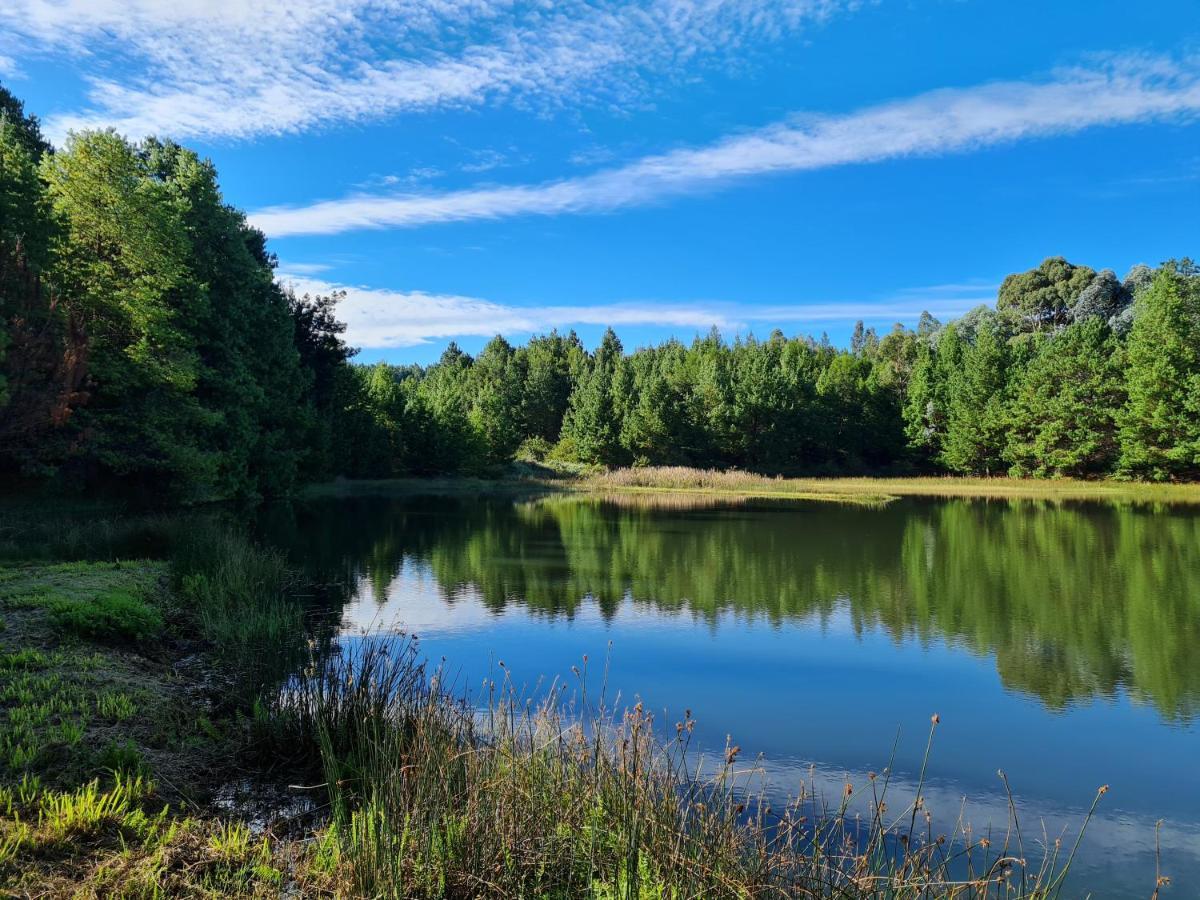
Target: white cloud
<point x="238" y="68"/>
<point x="302" y="268"/>
<point x="1115" y="91"/>
<point x="382" y="318"/>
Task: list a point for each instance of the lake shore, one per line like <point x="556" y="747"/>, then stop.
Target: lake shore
<point x="536" y="477"/>
<point x="126" y="765"/>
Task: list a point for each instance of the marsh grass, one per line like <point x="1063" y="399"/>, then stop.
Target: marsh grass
<point x="432" y="796"/>
<point x="882" y="490"/>
<point x="241" y="595"/>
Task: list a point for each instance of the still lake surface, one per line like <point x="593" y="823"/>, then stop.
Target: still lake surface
<point x="1058" y="642"/>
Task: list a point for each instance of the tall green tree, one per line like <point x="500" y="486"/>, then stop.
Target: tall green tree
<point x="1160" y="423"/>
<point x="551" y="364"/>
<point x="1062" y="417"/>
<point x="120" y="265"/>
<point x="42" y="357"/>
<point x="496" y="408"/>
<point x="593" y="421"/>
<point x="1042" y="298"/>
<point x="976" y="420"/>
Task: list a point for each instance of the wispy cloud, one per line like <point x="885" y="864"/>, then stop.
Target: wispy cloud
<point x="238" y="68"/>
<point x="1114" y="91"/>
<point x="304" y="269"/>
<point x="380" y="318"/>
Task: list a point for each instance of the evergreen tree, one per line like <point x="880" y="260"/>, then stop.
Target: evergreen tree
<point x="1062" y="418"/>
<point x="976" y="420"/>
<point x="592" y="424"/>
<point x="1160" y="423"/>
<point x="550" y="366"/>
<point x="496" y="412"/>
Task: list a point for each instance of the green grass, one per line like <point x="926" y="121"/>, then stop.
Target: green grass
<point x="114" y="616"/>
<point x="241" y="596"/>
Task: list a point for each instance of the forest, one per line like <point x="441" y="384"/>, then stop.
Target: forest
<point x="146" y="347"/>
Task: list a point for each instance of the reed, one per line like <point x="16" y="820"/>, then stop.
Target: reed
<point x="432" y="795"/>
<point x="242" y="597"/>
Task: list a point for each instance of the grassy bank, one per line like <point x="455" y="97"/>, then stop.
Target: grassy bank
<point x="134" y="751"/>
<point x="136" y="692"/>
<point x="682" y="481"/>
<point x="119" y="731"/>
<point x="880" y="490"/>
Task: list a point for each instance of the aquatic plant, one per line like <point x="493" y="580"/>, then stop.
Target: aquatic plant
<point x="432" y="795"/>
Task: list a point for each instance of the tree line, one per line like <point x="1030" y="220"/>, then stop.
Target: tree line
<point x="146" y="345"/>
<point x="1073" y="372"/>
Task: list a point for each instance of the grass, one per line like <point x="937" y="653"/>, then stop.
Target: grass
<point x="657" y="481"/>
<point x="433" y="797"/>
<point x="241" y="596"/>
<point x="105" y="701"/>
<point x="114" y="616"/>
<point x="880" y="490"/>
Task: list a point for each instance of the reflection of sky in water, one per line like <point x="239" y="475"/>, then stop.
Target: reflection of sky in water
<point x="813" y="692"/>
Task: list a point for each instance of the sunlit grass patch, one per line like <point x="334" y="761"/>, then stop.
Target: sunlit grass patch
<point x="83" y="812"/>
<point x="882" y="490"/>
<point x="117" y="706"/>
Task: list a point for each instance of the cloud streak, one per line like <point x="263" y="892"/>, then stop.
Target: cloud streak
<point x="1114" y="91"/>
<point x="241" y="68"/>
<point x="380" y="318"/>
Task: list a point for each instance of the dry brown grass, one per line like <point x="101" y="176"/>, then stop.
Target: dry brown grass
<point x="881" y="490"/>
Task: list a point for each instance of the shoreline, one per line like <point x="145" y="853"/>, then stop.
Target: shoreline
<point x="172" y="668"/>
<point x="738" y="484"/>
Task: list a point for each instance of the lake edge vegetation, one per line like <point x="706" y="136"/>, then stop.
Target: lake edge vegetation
<point x="147" y="349"/>
<point x="427" y="794"/>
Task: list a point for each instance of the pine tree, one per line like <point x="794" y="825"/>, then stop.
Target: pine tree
<point x="1062" y="419"/>
<point x="593" y="422"/>
<point x="1160" y="423"/>
<point x="975" y="424"/>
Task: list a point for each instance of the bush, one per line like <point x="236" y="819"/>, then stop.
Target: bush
<point x="116" y="615"/>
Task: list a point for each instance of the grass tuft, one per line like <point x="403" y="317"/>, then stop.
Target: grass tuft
<point x="113" y="616"/>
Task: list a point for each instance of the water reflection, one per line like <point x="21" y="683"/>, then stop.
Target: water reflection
<point x="1072" y="602"/>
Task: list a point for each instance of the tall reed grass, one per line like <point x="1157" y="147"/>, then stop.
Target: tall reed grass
<point x="242" y="596"/>
<point x="433" y="796"/>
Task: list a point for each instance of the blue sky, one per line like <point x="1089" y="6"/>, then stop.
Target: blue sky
<point x="467" y="167"/>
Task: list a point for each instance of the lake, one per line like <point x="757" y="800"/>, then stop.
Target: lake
<point x="1059" y="643"/>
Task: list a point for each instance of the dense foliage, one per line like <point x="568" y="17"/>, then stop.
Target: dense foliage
<point x="1073" y="373"/>
<point x="145" y="344"/>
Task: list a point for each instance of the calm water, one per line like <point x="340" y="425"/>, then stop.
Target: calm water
<point x="1059" y="643"/>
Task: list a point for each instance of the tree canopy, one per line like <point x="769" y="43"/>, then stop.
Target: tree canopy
<point x="145" y="345"/>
